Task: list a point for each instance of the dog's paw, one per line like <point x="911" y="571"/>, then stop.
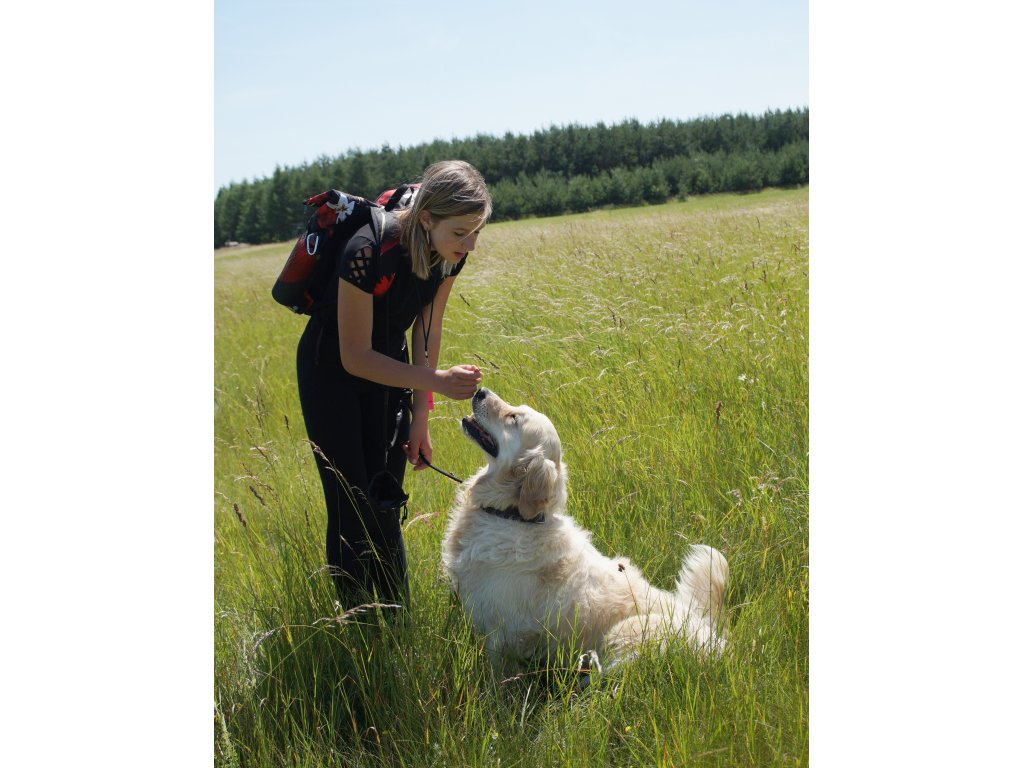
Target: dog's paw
<point x="589" y="662"/>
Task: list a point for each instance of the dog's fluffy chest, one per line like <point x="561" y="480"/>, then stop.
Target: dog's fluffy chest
<point x="475" y="539"/>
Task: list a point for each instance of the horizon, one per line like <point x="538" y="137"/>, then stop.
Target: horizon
<point x="468" y="137"/>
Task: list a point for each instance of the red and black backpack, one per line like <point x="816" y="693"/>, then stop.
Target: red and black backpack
<point x="305" y="277"/>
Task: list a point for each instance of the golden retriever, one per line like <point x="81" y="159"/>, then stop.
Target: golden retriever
<point x="527" y="574"/>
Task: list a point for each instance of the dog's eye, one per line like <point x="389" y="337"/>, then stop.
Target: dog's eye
<point x="513" y="418"/>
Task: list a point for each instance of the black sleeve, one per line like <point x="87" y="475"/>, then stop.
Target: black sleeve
<point x="458" y="267"/>
<point x="357" y="264"/>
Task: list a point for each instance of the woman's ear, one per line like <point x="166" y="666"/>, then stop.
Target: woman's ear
<point x="426" y="220"/>
<point x="538" y="486"/>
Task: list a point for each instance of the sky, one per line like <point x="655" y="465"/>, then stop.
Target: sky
<point x="297" y="80"/>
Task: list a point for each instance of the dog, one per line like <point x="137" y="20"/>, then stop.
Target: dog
<point x="528" y="575"/>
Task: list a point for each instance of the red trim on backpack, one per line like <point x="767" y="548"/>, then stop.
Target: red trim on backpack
<point x="317" y="199"/>
<point x="300" y="263"/>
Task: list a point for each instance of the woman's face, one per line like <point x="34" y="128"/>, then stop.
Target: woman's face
<point x="453" y="237"/>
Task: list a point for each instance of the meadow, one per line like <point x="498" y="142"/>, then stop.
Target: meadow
<point x="668" y="344"/>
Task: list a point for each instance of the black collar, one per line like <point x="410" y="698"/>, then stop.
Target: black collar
<point x="511" y="514"/>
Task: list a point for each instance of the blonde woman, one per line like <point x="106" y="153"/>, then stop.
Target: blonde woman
<point x="355" y="374"/>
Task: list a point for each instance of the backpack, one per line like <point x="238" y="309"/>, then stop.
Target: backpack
<point x="307" y="272"/>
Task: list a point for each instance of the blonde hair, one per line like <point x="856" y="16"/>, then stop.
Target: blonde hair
<point x="448" y="188"/>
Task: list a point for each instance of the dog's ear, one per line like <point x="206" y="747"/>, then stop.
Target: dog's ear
<point x="539" y="476"/>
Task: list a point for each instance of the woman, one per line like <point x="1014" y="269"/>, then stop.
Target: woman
<point x="355" y="377"/>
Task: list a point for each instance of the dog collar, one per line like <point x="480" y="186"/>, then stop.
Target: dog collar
<point x="511" y="514"/>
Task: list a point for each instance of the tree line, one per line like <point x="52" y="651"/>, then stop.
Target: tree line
<point x="562" y="169"/>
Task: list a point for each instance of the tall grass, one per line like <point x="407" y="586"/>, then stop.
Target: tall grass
<point x="669" y="346"/>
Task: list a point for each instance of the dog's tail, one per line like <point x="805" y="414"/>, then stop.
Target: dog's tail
<point x="703" y="579"/>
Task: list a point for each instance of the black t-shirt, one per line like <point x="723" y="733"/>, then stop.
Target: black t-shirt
<point x="384" y="270"/>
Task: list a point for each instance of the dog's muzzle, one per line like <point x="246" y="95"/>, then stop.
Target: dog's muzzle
<point x="479" y="435"/>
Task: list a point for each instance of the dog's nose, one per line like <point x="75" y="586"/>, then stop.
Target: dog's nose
<point x="481" y="394"/>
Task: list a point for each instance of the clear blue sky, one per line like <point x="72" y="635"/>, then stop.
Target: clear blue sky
<point x="298" y="79"/>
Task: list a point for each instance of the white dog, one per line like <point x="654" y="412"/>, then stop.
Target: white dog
<point x="527" y="574"/>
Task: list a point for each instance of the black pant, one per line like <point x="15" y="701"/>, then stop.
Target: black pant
<point x="359" y="428"/>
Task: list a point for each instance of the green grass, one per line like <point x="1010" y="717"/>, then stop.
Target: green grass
<point x="669" y="346"/>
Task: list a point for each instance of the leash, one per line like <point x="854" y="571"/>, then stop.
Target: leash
<point x="446" y="474"/>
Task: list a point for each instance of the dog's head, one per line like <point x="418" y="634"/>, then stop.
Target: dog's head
<point x="524" y="456"/>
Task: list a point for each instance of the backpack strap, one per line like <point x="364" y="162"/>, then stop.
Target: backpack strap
<point x="399" y="197"/>
<point x="380" y="226"/>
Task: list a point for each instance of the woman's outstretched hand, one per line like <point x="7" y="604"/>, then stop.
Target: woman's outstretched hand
<point x="459" y="382"/>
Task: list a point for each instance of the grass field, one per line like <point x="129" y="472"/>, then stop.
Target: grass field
<point x="668" y="344"/>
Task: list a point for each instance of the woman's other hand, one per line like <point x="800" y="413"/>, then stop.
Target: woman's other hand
<point x="418" y="444"/>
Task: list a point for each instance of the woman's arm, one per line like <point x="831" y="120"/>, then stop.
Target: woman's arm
<point x="355" y="333"/>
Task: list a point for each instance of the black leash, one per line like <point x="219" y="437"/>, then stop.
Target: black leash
<point x="446" y="474"/>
